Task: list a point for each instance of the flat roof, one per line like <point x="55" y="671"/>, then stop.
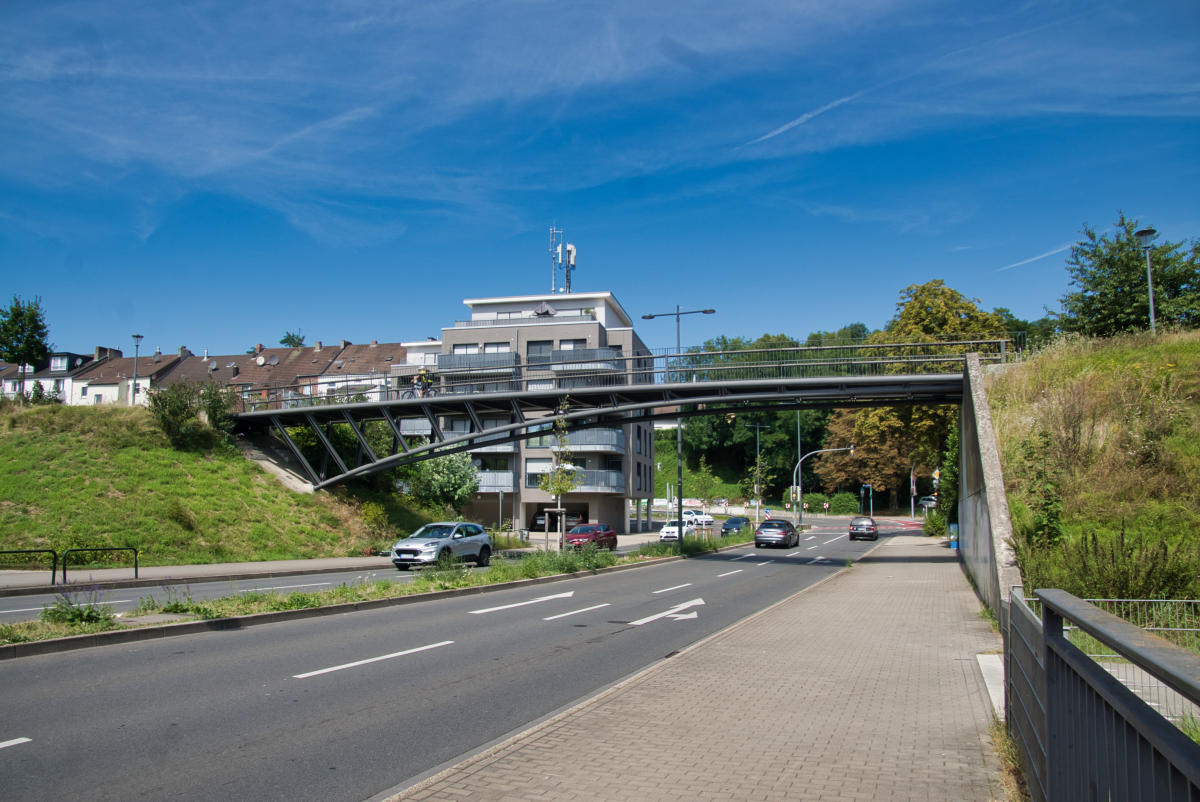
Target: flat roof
<point x="555" y="297"/>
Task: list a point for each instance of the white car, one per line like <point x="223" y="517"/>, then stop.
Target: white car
<point x="927" y="502"/>
<point x="671" y="530"/>
<point x="698" y="518"/>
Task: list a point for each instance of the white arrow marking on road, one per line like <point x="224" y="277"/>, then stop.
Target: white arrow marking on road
<point x="731" y="573"/>
<point x="573" y="612"/>
<point x="681" y="616"/>
<point x="14" y="742"/>
<point x="372" y="660"/>
<point x="566" y="595"/>
<point x="819" y="559"/>
<point x="673" y="611"/>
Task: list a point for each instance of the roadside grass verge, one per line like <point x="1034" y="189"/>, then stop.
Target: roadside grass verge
<point x="368" y="587"/>
<point x="1012" y="775"/>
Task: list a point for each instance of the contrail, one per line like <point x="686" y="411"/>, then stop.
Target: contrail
<point x="1039" y="256"/>
<point x="803" y="118"/>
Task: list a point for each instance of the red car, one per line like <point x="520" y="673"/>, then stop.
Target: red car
<point x="601" y="535"/>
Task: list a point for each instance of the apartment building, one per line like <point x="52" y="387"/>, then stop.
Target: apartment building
<point x="529" y="343"/>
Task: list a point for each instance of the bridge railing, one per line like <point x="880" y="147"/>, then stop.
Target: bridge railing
<point x="610" y="367"/>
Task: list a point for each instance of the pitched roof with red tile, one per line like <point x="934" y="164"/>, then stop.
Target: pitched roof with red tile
<point x="356" y="360"/>
<point x="289" y="365"/>
<point x="195" y="368"/>
<point x="111" y="371"/>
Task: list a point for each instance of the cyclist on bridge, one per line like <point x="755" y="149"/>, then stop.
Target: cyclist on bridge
<point x="422" y="382"/>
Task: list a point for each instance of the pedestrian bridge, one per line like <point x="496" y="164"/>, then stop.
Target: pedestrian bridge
<point x="594" y="388"/>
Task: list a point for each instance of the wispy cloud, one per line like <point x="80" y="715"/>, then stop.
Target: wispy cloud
<point x="1059" y="249"/>
<point x="803" y="118"/>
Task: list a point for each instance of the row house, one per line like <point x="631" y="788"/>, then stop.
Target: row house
<point x="57" y="374"/>
<point x="121" y="380"/>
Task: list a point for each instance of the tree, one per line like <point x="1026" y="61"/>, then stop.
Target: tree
<point x="757" y="479"/>
<point x="704" y="484"/>
<point x="564" y="475"/>
<point x="1037" y="333"/>
<point x="23" y="335"/>
<point x="932" y="310"/>
<point x="292" y="340"/>
<point x="1109" y="274"/>
<point x="450" y="482"/>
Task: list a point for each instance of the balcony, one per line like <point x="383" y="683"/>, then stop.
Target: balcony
<point x="587" y="359"/>
<point x="497" y="448"/>
<point x="478" y="363"/>
<point x="415" y="427"/>
<point x="525" y="321"/>
<point x="495" y="481"/>
<point x="592" y="481"/>
<point x="611" y="441"/>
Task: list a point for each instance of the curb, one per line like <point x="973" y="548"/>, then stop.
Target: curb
<point x="72" y="643"/>
<point x="398" y="793"/>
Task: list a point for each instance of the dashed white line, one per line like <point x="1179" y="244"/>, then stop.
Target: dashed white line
<point x="14" y="742"/>
<point x="677" y="587"/>
<point x="810" y="548"/>
<point x="738" y="571"/>
<point x="811" y="537"/>
<point x="744" y="556"/>
<point x="768" y="562"/>
<point x="573" y="612"/>
<point x="372" y="660"/>
<point x="39" y="609"/>
<point x="793" y="554"/>
<point x="827" y="542"/>
<point x="281" y="587"/>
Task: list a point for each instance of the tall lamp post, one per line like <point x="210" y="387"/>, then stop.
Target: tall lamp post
<point x="679" y="436"/>
<point x="757" y="427"/>
<point x="797" y="478"/>
<point x="137" y="341"/>
<point x="1146" y="237"/>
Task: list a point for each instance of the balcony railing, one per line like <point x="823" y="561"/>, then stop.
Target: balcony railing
<point x="484" y="439"/>
<point x="587" y="359"/>
<point x="451" y="363"/>
<point x="525" y="321"/>
<point x="495" y="481"/>
<point x="609" y="440"/>
<point x="592" y="481"/>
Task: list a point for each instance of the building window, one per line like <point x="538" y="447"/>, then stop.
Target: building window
<point x="496" y="348"/>
<point x="467" y="348"/>
<point x="538" y="352"/>
<point x="572" y="345"/>
<point x="459" y="426"/>
<point x="83" y="391"/>
<point x="58" y="363"/>
<point x="639" y="475"/>
<point x="493" y="464"/>
<point x="639" y="439"/>
<point x="539" y="465"/>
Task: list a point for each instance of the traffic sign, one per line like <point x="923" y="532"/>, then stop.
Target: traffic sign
<point x="806" y="505"/>
<point x="767" y="512"/>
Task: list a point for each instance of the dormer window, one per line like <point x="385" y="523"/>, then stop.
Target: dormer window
<point x="59" y="363"/>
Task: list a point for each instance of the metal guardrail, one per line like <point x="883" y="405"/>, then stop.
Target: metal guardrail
<point x="53" y="556"/>
<point x="1081" y="732"/>
<point x="605" y="480"/>
<point x="107" y="548"/>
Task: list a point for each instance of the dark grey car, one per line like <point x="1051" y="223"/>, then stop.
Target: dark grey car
<point x="776" y="533"/>
<point x="442" y="541"/>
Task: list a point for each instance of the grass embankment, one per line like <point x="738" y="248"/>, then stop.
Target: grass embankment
<point x="85" y="476"/>
<point x="83" y="611"/>
<point x="664" y="453"/>
<point x="1100" y="445"/>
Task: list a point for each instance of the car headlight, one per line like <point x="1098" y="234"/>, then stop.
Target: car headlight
<point x="429" y="547"/>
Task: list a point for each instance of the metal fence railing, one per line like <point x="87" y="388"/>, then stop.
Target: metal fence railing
<point x="1098" y="694"/>
<point x="611" y="367"/>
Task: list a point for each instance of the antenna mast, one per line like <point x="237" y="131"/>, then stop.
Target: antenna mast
<point x="556" y="254"/>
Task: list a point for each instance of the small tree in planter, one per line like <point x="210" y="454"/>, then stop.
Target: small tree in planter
<point x="563" y="477"/>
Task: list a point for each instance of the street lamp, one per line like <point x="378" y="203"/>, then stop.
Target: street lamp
<point x="1146" y="237"/>
<point x="679" y="436"/>
<point x="137" y="341"/>
<point x="757" y="427"/>
<point x="797" y="478"/>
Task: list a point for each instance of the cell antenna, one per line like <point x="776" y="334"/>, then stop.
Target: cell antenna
<point x="556" y="254"/>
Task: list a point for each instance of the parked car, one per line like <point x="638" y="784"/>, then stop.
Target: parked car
<point x="732" y="525"/>
<point x="698" y="517"/>
<point x="601" y="535"/>
<point x="863" y="527"/>
<point x="573" y="519"/>
<point x="444" y="540"/>
<point x="773" y="532"/>
<point x="672" y="528"/>
<point x="927" y="503"/>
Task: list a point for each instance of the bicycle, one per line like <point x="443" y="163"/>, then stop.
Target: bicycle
<point x="429" y="392"/>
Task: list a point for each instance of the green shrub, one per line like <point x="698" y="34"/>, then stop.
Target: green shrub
<point x="79" y="606"/>
<point x="843" y="504"/>
<point x="935" y="524"/>
<point x="375" y="517"/>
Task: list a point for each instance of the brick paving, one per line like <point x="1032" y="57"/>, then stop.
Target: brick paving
<point x="864" y="687"/>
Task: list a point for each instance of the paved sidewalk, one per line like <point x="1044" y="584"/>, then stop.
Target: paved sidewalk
<point x="864" y="687"/>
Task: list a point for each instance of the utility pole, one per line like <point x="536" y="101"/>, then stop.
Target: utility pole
<point x="757" y="427"/>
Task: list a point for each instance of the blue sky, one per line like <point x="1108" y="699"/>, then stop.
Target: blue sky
<point x="214" y="173"/>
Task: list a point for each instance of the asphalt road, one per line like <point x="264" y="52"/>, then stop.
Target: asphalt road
<point x="343" y="708"/>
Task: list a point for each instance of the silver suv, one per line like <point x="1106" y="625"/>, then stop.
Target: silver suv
<point x="444" y="540"/>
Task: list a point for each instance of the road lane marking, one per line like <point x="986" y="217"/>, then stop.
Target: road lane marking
<point x="768" y="562"/>
<point x="827" y="542"/>
<point x="819" y="559"/>
<point x="280" y="587"/>
<point x="793" y="554"/>
<point x="584" y="610"/>
<point x="372" y="660"/>
<point x="810" y="548"/>
<point x="744" y="556"/>
<point x="14" y="742"/>
<point x="677" y="587"/>
<point x="674" y="611"/>
<point x="811" y="537"/>
<point x="38" y="609"/>
<point x="731" y="573"/>
<point x="566" y="595"/>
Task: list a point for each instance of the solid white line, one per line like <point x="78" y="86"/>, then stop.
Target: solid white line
<point x="811" y="537"/>
<point x="584" y="610"/>
<point x="566" y="595"/>
<point x="827" y="542"/>
<point x="768" y="562"/>
<point x="744" y="556"/>
<point x="14" y="742"/>
<point x="738" y="571"/>
<point x="371" y="660"/>
<point x="34" y="609"/>
<point x="677" y="587"/>
<point x="281" y="587"/>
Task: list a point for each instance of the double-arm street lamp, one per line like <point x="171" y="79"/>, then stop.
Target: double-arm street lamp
<point x="1146" y="237"/>
<point x="797" y="517"/>
<point x="679" y="437"/>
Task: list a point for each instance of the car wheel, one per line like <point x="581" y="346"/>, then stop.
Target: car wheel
<point x="485" y="557"/>
<point x="401" y="567"/>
